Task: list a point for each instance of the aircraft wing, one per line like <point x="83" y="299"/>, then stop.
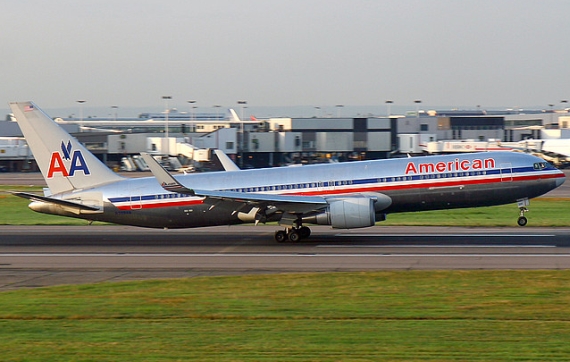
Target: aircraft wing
<point x="287" y="203"/>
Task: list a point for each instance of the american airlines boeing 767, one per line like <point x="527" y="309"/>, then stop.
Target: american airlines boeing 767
<point x="345" y="196"/>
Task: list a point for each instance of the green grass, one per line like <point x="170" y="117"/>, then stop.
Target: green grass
<point x="374" y="316"/>
<point x="15" y="211"/>
<point x="543" y="212"/>
<point x="404" y="316"/>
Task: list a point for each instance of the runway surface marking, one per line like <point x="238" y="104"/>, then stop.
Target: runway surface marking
<point x="242" y="255"/>
<point x="451" y="235"/>
<point x="458" y="246"/>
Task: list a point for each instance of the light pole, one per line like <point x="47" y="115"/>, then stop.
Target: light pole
<point x="242" y="106"/>
<point x="81" y="101"/>
<point x="217" y="106"/>
<point x="191" y="104"/>
<point x="114" y="110"/>
<point x="417" y="102"/>
<point x="166" y="136"/>
<point x="242" y="131"/>
<point x="388" y="106"/>
<point x="551" y="113"/>
<point x="317" y="110"/>
<point x="191" y="115"/>
<point x="338" y="108"/>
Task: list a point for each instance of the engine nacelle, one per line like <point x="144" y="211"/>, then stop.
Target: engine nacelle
<point x="353" y="212"/>
<point x="358" y="211"/>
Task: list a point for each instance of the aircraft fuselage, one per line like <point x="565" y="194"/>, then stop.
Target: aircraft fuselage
<point x="412" y="184"/>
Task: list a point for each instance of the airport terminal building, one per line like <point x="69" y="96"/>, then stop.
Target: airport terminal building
<point x="275" y="142"/>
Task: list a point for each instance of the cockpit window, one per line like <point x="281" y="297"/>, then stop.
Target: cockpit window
<point x="539" y="165"/>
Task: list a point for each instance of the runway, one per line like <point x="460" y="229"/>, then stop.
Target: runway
<point x="51" y="255"/>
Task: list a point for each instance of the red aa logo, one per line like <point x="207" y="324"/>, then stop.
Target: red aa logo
<point x="66" y="162"/>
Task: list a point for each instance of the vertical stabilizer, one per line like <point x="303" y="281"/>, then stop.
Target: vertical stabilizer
<point x="65" y="164"/>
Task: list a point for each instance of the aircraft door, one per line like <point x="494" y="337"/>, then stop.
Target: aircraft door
<point x="506" y="172"/>
<point x="135" y="198"/>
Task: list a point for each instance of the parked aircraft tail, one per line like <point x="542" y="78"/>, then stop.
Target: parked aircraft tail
<point x="65" y="163"/>
<point x="234" y="116"/>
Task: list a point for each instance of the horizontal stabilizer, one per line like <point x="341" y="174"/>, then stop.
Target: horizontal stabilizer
<point x="49" y="200"/>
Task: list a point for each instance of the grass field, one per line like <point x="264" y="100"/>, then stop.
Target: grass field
<point x="15" y="210"/>
<point x="374" y="316"/>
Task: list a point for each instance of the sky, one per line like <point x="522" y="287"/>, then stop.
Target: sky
<point x="446" y="53"/>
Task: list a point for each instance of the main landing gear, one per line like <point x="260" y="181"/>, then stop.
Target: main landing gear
<point x="522" y="204"/>
<point x="293" y="234"/>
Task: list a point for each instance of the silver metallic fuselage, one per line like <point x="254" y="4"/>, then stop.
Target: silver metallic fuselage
<point x="413" y="184"/>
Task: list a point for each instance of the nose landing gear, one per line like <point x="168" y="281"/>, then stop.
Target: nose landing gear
<point x="522" y="219"/>
<point x="522" y="204"/>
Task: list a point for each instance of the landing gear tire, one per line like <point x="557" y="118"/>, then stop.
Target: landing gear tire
<point x="522" y="219"/>
<point x="305" y="232"/>
<point x="294" y="236"/>
<point x="280" y="236"/>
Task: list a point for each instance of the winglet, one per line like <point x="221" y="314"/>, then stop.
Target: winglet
<point x="226" y="162"/>
<point x="165" y="179"/>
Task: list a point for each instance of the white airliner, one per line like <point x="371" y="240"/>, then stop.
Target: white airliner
<point x="346" y="195"/>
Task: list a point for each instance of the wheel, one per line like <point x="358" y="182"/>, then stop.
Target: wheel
<point x="305" y="232"/>
<point x="280" y="236"/>
<point x="294" y="236"/>
<point x="522" y="221"/>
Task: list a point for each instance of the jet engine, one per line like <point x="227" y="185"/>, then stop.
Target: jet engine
<point x="351" y="212"/>
<point x="355" y="212"/>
